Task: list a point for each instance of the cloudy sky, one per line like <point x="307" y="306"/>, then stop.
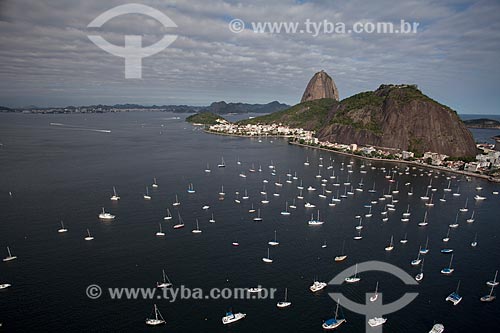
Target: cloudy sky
<point x="47" y="59"/>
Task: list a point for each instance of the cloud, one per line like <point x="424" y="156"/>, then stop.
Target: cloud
<point x="47" y="59"/>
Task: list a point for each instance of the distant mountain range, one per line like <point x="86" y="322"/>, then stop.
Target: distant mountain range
<point x="217" y="107"/>
<point x="482" y="123"/>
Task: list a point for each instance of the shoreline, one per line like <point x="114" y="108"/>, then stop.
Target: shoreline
<point x="436" y="167"/>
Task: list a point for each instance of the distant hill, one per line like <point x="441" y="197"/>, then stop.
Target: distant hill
<point x="5" y="109"/>
<point x="204" y="118"/>
<point x="482" y="123"/>
<point x="224" y="108"/>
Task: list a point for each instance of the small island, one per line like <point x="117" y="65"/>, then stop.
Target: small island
<point x="482" y="123"/>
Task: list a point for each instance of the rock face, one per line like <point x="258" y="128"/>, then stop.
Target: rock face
<point x="401" y="117"/>
<point x="320" y="86"/>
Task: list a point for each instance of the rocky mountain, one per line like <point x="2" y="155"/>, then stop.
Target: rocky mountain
<point x="223" y="108"/>
<point x="320" y="86"/>
<point x="393" y="116"/>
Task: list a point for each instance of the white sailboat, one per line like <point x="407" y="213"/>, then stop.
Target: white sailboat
<point x="275" y="241"/>
<point x="169" y="215"/>
<point x="447" y="238"/>
<point x="197" y="230"/>
<point x="160" y="232"/>
<point x="405" y="239"/>
<point x="212" y="219"/>
<point x="268" y="258"/>
<point x="156" y="318"/>
<point x="284" y="303"/>
<point x="252" y="209"/>
<point x="424" y="222"/>
<point x="106" y="216"/>
<point x="494" y="282"/>
<point x="258" y="218"/>
<point x="222" y="193"/>
<point x="391" y="245"/>
<point x="315" y="222"/>
<point x="425" y="250"/>
<point x="207" y="170"/>
<point x="464" y="208"/>
<point x="165" y="283"/>
<point x="474" y="242"/>
<point x="285" y="212"/>
<point x="375" y="294"/>
<point x="420" y="276"/>
<point x="176" y="202"/>
<point x="146" y="196"/>
<point x="454" y="225"/>
<point x="191" y="189"/>
<point x="10" y="257"/>
<point x="155" y="184"/>
<point x="342" y="255"/>
<point x="222" y="164"/>
<point x="180" y="223"/>
<point x="115" y="196"/>
<point x="471" y="218"/>
<point x="490" y="297"/>
<point x="62" y="229"/>
<point x="355" y="278"/>
<point x="89" y="236"/>
<point x="416" y="262"/>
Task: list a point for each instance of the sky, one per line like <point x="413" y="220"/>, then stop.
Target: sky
<point x="46" y="58"/>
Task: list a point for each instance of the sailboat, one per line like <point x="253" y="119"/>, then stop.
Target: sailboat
<point x="416" y="262"/>
<point x="448" y="270"/>
<point x="245" y="197"/>
<point x="222" y="193"/>
<point x="490" y="297"/>
<point x="471" y="219"/>
<point x="180" y="223"/>
<point x="89" y="237"/>
<point x="391" y="245"/>
<point x="265" y="200"/>
<point x="457" y="193"/>
<point x="106" y="216"/>
<point x="342" y="256"/>
<point x="372" y="190"/>
<point x="454" y="225"/>
<point x="197" y="230"/>
<point x="375" y="294"/>
<point x="285" y="212"/>
<point x="355" y="278"/>
<point x="62" y="229"/>
<point x="360" y="226"/>
<point x="212" y="219"/>
<point x="425" y="250"/>
<point x="369" y="214"/>
<point x="464" y="209"/>
<point x="176" y="203"/>
<point x="448" y="189"/>
<point x="494" y="282"/>
<point x="424" y="222"/>
<point x="335" y="322"/>
<point x="160" y="233"/>
<point x="252" y="209"/>
<point x="454" y="297"/>
<point x="313" y="222"/>
<point x="191" y="189"/>
<point x="237" y="199"/>
<point x="258" y="218"/>
<point x="358" y="236"/>
<point x="430" y="203"/>
<point x="426" y="196"/>
<point x="207" y="170"/>
<point x="169" y="215"/>
<point x="307" y="161"/>
<point x="165" y="282"/>
<point x="157" y="320"/>
<point x="222" y="164"/>
<point x="115" y="196"/>
<point x="293" y="206"/>
<point x="146" y="196"/>
<point x="274" y="242"/>
<point x="474" y="242"/>
<point x="407" y="213"/>
<point x="443" y="199"/>
<point x="420" y="276"/>
<point x="285" y="303"/>
<point x="154" y="185"/>
<point x="405" y="239"/>
<point x="10" y="257"/>
<point x="268" y="258"/>
<point x="447" y="238"/>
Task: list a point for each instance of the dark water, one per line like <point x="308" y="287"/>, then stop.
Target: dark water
<point x="482" y="135"/>
<point x="59" y="172"/>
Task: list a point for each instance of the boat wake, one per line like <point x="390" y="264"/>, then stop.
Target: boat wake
<point x="77" y="128"/>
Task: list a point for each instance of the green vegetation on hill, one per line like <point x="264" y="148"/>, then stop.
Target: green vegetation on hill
<point x="310" y="115"/>
<point x="205" y="118"/>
